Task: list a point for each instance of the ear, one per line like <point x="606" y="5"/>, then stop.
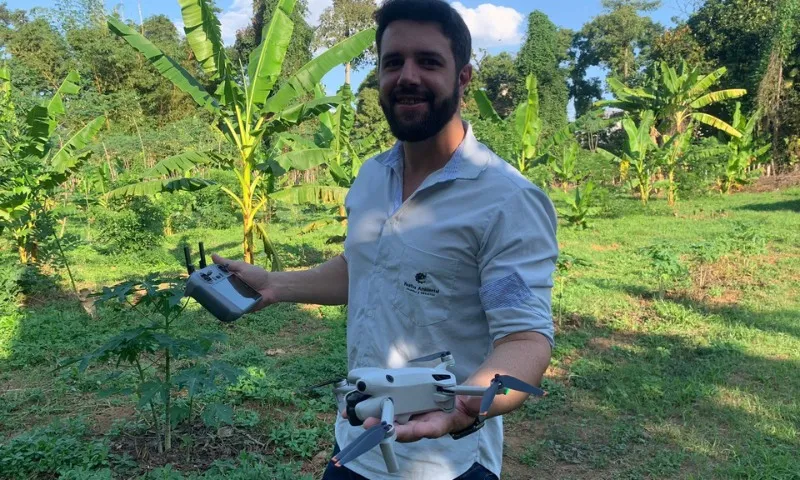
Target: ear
<point x="464" y="77"/>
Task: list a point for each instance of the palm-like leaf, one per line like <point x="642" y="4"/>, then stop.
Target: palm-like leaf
<point x="311" y="73"/>
<point x="705" y="83"/>
<point x="715" y="122"/>
<point x="61" y="160"/>
<point x="179" y="164"/>
<point x="168" y="67"/>
<point x="718" y="96"/>
<point x="266" y="60"/>
<point x="151" y="187"/>
<point x="68" y="87"/>
<point x="204" y="35"/>
<point x="310" y="193"/>
<point x="485" y="107"/>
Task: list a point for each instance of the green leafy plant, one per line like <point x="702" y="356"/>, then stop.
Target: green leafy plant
<point x="580" y="207"/>
<point x="742" y="151"/>
<point x="34" y="163"/>
<point x="636" y="153"/>
<point x="564" y="165"/>
<point x="665" y="266"/>
<point x="164" y="364"/>
<point x="248" y="113"/>
<point x="529" y="149"/>
<point x="342" y="156"/>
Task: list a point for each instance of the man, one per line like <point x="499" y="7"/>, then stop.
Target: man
<point x="448" y="248"/>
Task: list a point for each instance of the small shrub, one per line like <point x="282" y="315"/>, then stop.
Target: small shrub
<point x="128" y="226"/>
<point x="50" y="450"/>
<point x="665" y="266"/>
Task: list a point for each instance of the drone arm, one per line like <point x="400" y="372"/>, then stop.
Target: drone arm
<point x="387" y="444"/>
<point x="470" y="390"/>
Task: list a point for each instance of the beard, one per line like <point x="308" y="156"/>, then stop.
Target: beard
<point x="416" y="127"/>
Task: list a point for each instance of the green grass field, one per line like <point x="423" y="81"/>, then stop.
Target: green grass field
<point x="691" y="375"/>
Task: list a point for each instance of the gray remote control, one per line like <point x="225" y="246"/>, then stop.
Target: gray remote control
<point x="219" y="291"/>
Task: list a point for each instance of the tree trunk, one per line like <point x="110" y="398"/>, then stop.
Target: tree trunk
<point x="347" y="73"/>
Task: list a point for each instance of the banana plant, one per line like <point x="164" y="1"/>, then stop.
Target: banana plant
<point x="342" y="156"/>
<point x="580" y="208"/>
<point x="742" y="151"/>
<point x="676" y="98"/>
<point x="673" y="152"/>
<point x="636" y="153"/>
<point x="564" y="164"/>
<point x="249" y="113"/>
<point x="526" y="123"/>
<point x="34" y="163"/>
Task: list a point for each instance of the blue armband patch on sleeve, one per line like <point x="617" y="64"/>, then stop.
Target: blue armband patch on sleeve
<point x="507" y="292"/>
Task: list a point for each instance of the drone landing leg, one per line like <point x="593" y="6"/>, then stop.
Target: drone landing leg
<point x="387" y="444"/>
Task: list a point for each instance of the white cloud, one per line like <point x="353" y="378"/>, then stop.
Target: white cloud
<point x="492" y="25"/>
<point x="235" y="17"/>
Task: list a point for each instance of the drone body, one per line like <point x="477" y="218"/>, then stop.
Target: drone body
<point x="395" y="395"/>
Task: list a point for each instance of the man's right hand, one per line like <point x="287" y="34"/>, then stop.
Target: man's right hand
<point x="254" y="276"/>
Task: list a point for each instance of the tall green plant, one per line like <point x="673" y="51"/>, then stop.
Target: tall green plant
<point x="636" y="151"/>
<point x="673" y="151"/>
<point x="342" y="156"/>
<point x="164" y="364"/>
<point x="248" y="113"/>
<point x="526" y="123"/>
<point x="34" y="162"/>
<point x="742" y="151"/>
<point x="675" y="97"/>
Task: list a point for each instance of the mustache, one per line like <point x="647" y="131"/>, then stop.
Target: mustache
<point x="397" y="92"/>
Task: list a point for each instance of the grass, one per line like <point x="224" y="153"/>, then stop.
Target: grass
<point x="698" y="380"/>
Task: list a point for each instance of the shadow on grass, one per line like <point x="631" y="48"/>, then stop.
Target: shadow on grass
<point x="790" y="205"/>
<point x="625" y="404"/>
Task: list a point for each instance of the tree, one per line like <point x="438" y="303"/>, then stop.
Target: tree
<point x="676" y="98"/>
<point x="34" y="162"/>
<point x="619" y="39"/>
<point x="677" y="45"/>
<point x="247" y="113"/>
<point x="770" y="90"/>
<point x="497" y="75"/>
<point x="541" y="55"/>
<point x="341" y="20"/>
<point x="299" y="51"/>
<point x="369" y="115"/>
<point x="742" y="151"/>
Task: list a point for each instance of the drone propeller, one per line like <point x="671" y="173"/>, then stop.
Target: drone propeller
<point x="509" y="383"/>
<point x="364" y="443"/>
<point x="428" y="358"/>
<point x="323" y="384"/>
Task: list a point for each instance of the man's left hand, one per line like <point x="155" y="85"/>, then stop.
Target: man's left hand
<point x="431" y="424"/>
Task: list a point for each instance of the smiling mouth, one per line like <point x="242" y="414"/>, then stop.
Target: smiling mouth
<point x="409" y="100"/>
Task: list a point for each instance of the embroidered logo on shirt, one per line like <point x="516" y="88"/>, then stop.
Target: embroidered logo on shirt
<point x="420" y="289"/>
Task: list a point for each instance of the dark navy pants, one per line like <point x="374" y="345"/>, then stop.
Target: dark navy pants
<point x="332" y="472"/>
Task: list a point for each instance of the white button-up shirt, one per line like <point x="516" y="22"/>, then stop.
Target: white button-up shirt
<point x="466" y="260"/>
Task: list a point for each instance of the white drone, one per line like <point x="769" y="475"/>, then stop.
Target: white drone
<point x="394" y="395"/>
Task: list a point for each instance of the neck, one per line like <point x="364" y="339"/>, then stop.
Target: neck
<point x="432" y="154"/>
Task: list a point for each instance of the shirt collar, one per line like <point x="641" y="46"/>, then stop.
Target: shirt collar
<point x="467" y="162"/>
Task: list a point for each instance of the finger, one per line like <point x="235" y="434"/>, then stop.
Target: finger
<point x="233" y="265"/>
<point x="371" y="422"/>
<point x="434" y="427"/>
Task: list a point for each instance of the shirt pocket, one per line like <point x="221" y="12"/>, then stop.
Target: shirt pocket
<point x="424" y="287"/>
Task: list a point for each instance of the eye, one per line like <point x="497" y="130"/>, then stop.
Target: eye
<point x="429" y="62"/>
<point x="392" y="63"/>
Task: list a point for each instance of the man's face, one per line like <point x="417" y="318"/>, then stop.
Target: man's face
<point x="420" y="89"/>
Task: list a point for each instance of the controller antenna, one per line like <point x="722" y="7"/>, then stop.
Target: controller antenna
<point x="189" y="266"/>
<point x="202" y="256"/>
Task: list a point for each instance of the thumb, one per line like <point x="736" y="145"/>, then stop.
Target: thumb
<point x="233" y="265"/>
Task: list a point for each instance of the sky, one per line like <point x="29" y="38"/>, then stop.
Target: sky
<point x="496" y="26"/>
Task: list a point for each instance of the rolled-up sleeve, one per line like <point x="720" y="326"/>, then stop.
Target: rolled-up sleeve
<point x="516" y="262"/>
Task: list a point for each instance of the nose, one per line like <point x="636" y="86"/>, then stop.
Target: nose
<point x="409" y="75"/>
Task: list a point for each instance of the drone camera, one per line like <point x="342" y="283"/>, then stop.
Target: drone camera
<point x="361" y="386"/>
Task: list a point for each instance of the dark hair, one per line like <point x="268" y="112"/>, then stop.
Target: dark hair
<point x="436" y="11"/>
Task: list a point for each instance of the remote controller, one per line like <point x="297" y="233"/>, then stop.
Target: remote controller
<point x="219" y="291"/>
